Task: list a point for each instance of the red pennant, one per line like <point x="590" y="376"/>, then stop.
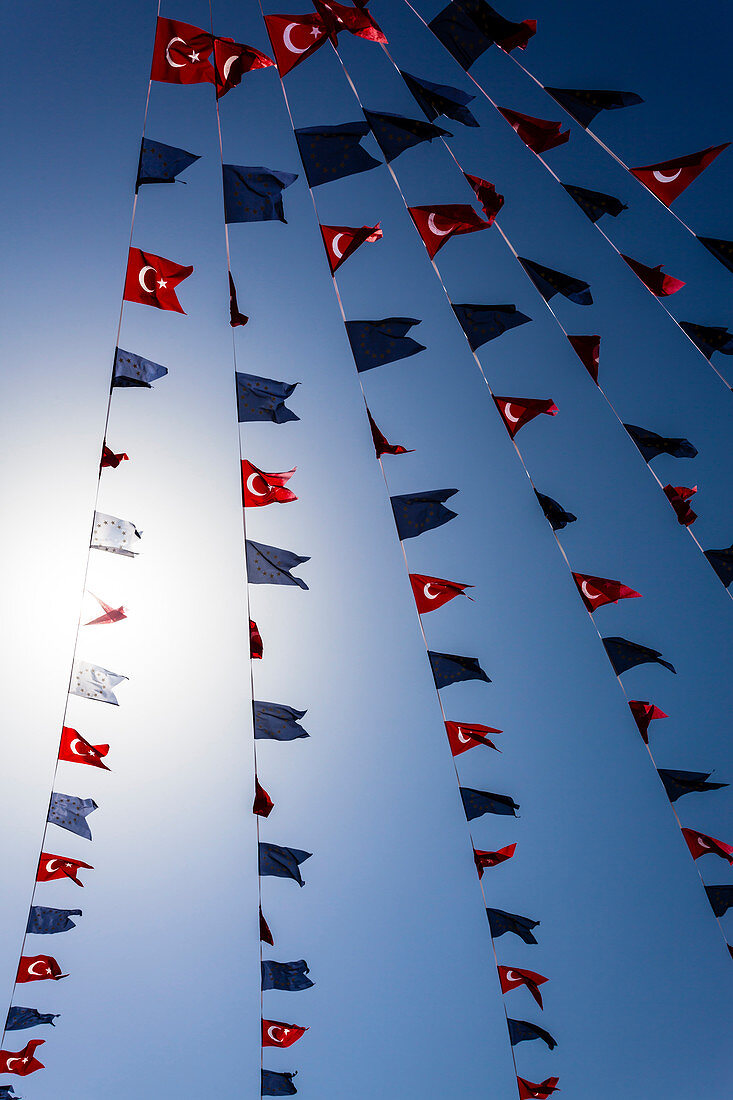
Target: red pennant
<point x="518" y="411"/>
<point x="265" y="933"/>
<point x="538" y="134"/>
<point x="76" y="750"/>
<point x="181" y="54"/>
<point x="437" y="224"/>
<point x="381" y="446"/>
<point x="668" y="179"/>
<point x="597" y="591"/>
<point x="294" y="38"/>
<point x="511" y="978"/>
<point x="356" y="20"/>
<point x="275" y="1034"/>
<point x="644" y="713"/>
<point x="653" y="278"/>
<point x="526" y="30"/>
<point x="111" y="614"/>
<point x="342" y="241"/>
<point x="588" y="350"/>
<point x="260" y="488"/>
<point x="678" y="495"/>
<point x="52" y="867"/>
<point x="483" y="860"/>
<point x="263" y="804"/>
<point x="486" y="194"/>
<point x="38" y="968"/>
<point x="256" y="648"/>
<point x="232" y="60"/>
<point x="432" y="592"/>
<point x="700" y="844"/>
<point x="21" y="1062"/>
<point x="109" y="458"/>
<point x="528" y="1090"/>
<point x="151" y="280"/>
<point x="463" y="737"/>
<point x="236" y="319"/>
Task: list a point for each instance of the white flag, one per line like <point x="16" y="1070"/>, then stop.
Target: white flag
<point x="94" y="682"/>
<point x="118" y="536"/>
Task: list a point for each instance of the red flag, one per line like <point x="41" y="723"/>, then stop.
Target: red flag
<point x="37" y="968"/>
<point x="518" y="411"/>
<point x="294" y="38"/>
<point x="21" y="1062"/>
<point x="437" y="224"/>
<point x="109" y="458"/>
<point x="76" y="750"/>
<point x="520" y="38"/>
<point x="236" y="319"/>
<point x="678" y="495"/>
<point x="265" y="933"/>
<point x="342" y="241"/>
<point x="597" y="591"/>
<point x="181" y="54"/>
<point x="644" y="713"/>
<point x="111" y="614"/>
<point x="232" y="60"/>
<point x="263" y="804"/>
<point x="256" y="648"/>
<point x="513" y="979"/>
<point x="669" y="178"/>
<point x="538" y="133"/>
<point x="463" y="737"/>
<point x="151" y="280"/>
<point x="700" y="844"/>
<point x="357" y="20"/>
<point x="528" y="1090"/>
<point x="275" y="1034"/>
<point x="432" y="592"/>
<point x="487" y="195"/>
<point x="260" y="488"/>
<point x="381" y="446"/>
<point x="653" y="278"/>
<point x="492" y="859"/>
<point x="52" y="867"/>
<point x="588" y="350"/>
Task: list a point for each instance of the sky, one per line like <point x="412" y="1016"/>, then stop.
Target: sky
<point x="163" y="995"/>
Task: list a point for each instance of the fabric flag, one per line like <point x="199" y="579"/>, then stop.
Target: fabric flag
<point x="678" y="495"/>
<point x="355" y="19"/>
<point x="259" y="488"/>
<point x="677" y="783"/>
<point x="44" y="921"/>
<point x="624" y="655"/>
<point x="265" y="933"/>
<point x="152" y="280"/>
<point x="462" y="737"/>
<point x="484" y="323"/>
<point x="76" y="750"/>
<point x="416" y="513"/>
<point x="518" y="411"/>
<point x="555" y="514"/>
<point x="342" y="241"/>
<point x="133" y="370"/>
<point x="110" y="459"/>
<point x="395" y="133"/>
<point x="501" y="922"/>
<point x="432" y="592"/>
<point x="588" y="350"/>
<point x="254" y="194"/>
<point x="721" y="898"/>
<point x="650" y="444"/>
<point x="232" y="60"/>
<point x="19" y="1019"/>
<point x="529" y="1090"/>
<point x="374" y="343"/>
<point x="521" y="1030"/>
<point x="236" y="318"/>
<point x="597" y="591"/>
<point x="22" y="1062"/>
<point x="722" y="250"/>
<point x="487" y="195"/>
<point x="94" y="682"/>
<point x="276" y="1034"/>
<point x="111" y="614"/>
<point x="700" y="844"/>
<point x="644" y="713"/>
<point x="654" y="279"/>
<point x="263" y="399"/>
<point x="437" y="224"/>
<point x="277" y="1084"/>
<point x="550" y="282"/>
<point x="484" y="860"/>
<point x="276" y="722"/>
<point x="595" y="204"/>
<point x="280" y="862"/>
<point x="668" y="179"/>
<point x="116" y="536"/>
<point x="381" y="445"/>
<point x="263" y="804"/>
<point x="440" y="99"/>
<point x="256" y="647"/>
<point x="538" y="134"/>
<point x="450" y="668"/>
<point x="511" y="978"/>
<point x="290" y="976"/>
<point x="161" y="163"/>
<point x="70" y="812"/>
<point x="709" y="338"/>
<point x="722" y="563"/>
<point x="477" y="803"/>
<point x="583" y="104"/>
<point x="271" y="565"/>
<point x="468" y="27"/>
<point x="51" y="868"/>
<point x="332" y="152"/>
<point x="7" y="1092"/>
<point x="181" y="54"/>
<point x="294" y="38"/>
<point x="38" y="968"/>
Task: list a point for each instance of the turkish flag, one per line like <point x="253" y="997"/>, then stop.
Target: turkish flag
<point x="512" y="978"/>
<point x="109" y="458"/>
<point x="526" y="29"/>
<point x="259" y="488"/>
<point x="265" y="933"/>
<point x="151" y="280"/>
<point x="653" y="278"/>
<point x="232" y="60"/>
<point x="431" y="592"/>
<point x="52" y="867"/>
<point x="111" y="614"/>
<point x="23" y="1061"/>
<point x="37" y="968"/>
<point x="700" y="844"/>
<point x="181" y="54"/>
<point x="486" y="194"/>
<point x="437" y="224"/>
<point x="539" y="134"/>
<point x="528" y="1090"/>
<point x="669" y="178"/>
<point x="356" y="20"/>
<point x="518" y="411"/>
<point x="76" y="750"/>
<point x="597" y="591"/>
<point x="588" y="350"/>
<point x="275" y="1034"/>
<point x="294" y="38"/>
<point x="381" y="445"/>
<point x="492" y="859"/>
<point x="256" y="647"/>
<point x="263" y="804"/>
<point x="463" y="737"/>
<point x="644" y="713"/>
<point x="678" y="495"/>
<point x="342" y="241"/>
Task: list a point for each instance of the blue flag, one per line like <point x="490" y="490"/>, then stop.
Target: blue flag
<point x="418" y="512"/>
<point x="440" y="99"/>
<point x="709" y="338"/>
<point x="161" y="163"/>
<point x="449" y="668"/>
<point x="484" y="323"/>
<point x="332" y="152"/>
<point x="624" y="655"/>
<point x="263" y="399"/>
<point x="583" y="104"/>
<point x="550" y="282"/>
<point x="71" y="813"/>
<point x="395" y="133"/>
<point x="282" y="862"/>
<point x="501" y="922"/>
<point x="254" y="194"/>
<point x="276" y="722"/>
<point x="677" y="783"/>
<point x="462" y="38"/>
<point x="46" y="922"/>
<point x="650" y="444"/>
<point x="478" y="803"/>
<point x="555" y="514"/>
<point x="133" y="370"/>
<point x="376" y="342"/>
<point x="595" y="204"/>
<point x="271" y="565"/>
<point x="721" y="898"/>
<point x="7" y="1092"/>
<point x="21" y="1018"/>
<point x="290" y="976"/>
<point x="277" y="1084"/>
<point x="521" y="1030"/>
<point x="722" y="563"/>
<point x="722" y="250"/>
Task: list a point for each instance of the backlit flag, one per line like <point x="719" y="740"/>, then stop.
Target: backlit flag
<point x="7" y="1092"/>
<point x="110" y="459"/>
<point x="700" y="844"/>
<point x="256" y="647"/>
<point x="294" y="38"/>
<point x="277" y="1084"/>
<point x="432" y="592"/>
<point x="722" y="563"/>
<point x="677" y="783"/>
<point x="263" y="804"/>
<point x="588" y="350"/>
<point x="236" y="318"/>
<point x="624" y="655"/>
<point x="332" y="152"/>
<point x="152" y="280"/>
<point x="484" y="860"/>
<point x="477" y="803"/>
<point x="70" y="812"/>
<point x="530" y="1090"/>
<point x="722" y="250"/>
<point x="416" y="513"/>
<point x="597" y="591"/>
<point x="654" y="279"/>
<point x="584" y="104"/>
<point x="38" y="968"/>
<point x="381" y="444"/>
<point x="721" y="898"/>
<point x="451" y="668"/>
<point x="538" y="134"/>
<point x="437" y="224"/>
<point x="51" y="868"/>
<point x="19" y="1019"/>
<point x="374" y="343"/>
<point x="111" y="614"/>
<point x="289" y="976"/>
<point x="254" y="194"/>
<point x="668" y="179"/>
<point x="44" y="921"/>
<point x="76" y="750"/>
<point x="265" y="933"/>
<point x="462" y="737"/>
<point x="550" y="282"/>
<point x="468" y="27"/>
<point x="522" y="1030"/>
<point x="356" y="20"/>
<point x="487" y="195"/>
<point x="644" y="713"/>
<point x="650" y="444"/>
<point x="709" y="338"/>
<point x="160" y="163"/>
<point x="342" y="241"/>
<point x="277" y="722"/>
<point x="678" y="495"/>
<point x="94" y="682"/>
<point x="232" y="60"/>
<point x="395" y="133"/>
<point x="279" y="862"/>
<point x="276" y="1034"/>
<point x="272" y="565"/>
<point x="555" y="514"/>
<point x="440" y="99"/>
<point x="116" y="536"/>
<point x="263" y="399"/>
<point x="595" y="204"/>
<point x="501" y="922"/>
<point x="511" y="978"/>
<point x="133" y="370"/>
<point x="484" y="323"/>
<point x="22" y="1062"/>
<point x="518" y="411"/>
<point x="181" y="53"/>
<point x="259" y="488"/>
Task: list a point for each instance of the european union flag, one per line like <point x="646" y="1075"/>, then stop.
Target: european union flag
<point x="331" y="152"/>
<point x="254" y="194"/>
<point x="395" y="133"/>
<point x="460" y="35"/>
<point x="650" y="444"/>
<point x="501" y="922"/>
<point x="584" y="104"/>
<point x="276" y="722"/>
<point x="271" y="565"/>
<point x="624" y="655"/>
<point x="133" y="370"/>
<point x="709" y="338"/>
<point x="277" y="1084"/>
<point x="595" y="204"/>
<point x="677" y="783"/>
<point x="440" y="99"/>
<point x="282" y="862"/>
<point x="44" y="921"/>
<point x="550" y="282"/>
<point x="71" y="813"/>
<point x="418" y="512"/>
<point x="291" y="976"/>
<point x="374" y="343"/>
<point x="521" y="1030"/>
<point x="484" y="323"/>
<point x="450" y="668"/>
<point x="478" y="803"/>
<point x="720" y="897"/>
<point x="555" y="514"/>
<point x="21" y="1018"/>
<point x="722" y="563"/>
<point x="161" y="163"/>
<point x="263" y="399"/>
<point x="722" y="250"/>
<point x="7" y="1092"/>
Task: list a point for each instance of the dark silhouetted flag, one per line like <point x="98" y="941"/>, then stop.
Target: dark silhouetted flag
<point x="440" y="99"/>
<point x="477" y="803"/>
<point x="342" y="241"/>
<point x="43" y="921"/>
<point x="538" y="134"/>
<point x="654" y="279"/>
<point x="51" y="867"/>
<point x="272" y="565"/>
<point x="277" y="722"/>
<point x="669" y="178"/>
<point x="700" y="844"/>
<point x="595" y="204"/>
<point x="374" y="343"/>
<point x="76" y="750"/>
<point x="555" y="514"/>
<point x="265" y="933"/>
<point x="501" y="922"/>
<point x="22" y="1062"/>
<point x="518" y="411"/>
<point x="722" y="250"/>
<point x="256" y="647"/>
<point x="484" y="860"/>
<point x="531" y="1090"/>
<point x="395" y="133"/>
<point x="624" y="655"/>
<point x="584" y="104"/>
<point x="260" y="488"/>
<point x="487" y="195"/>
<point x="709" y="338"/>
<point x="677" y="783"/>
<point x="722" y="563"/>
<point x="650" y="444"/>
<point x="110" y="459"/>
<point x="132" y="370"/>
<point x="431" y="592"/>
<point x="282" y="862"/>
<point x="720" y="897"/>
<point x="550" y="282"/>
<point x="263" y="399"/>
<point x="294" y="38"/>
<point x="588" y="350"/>
<point x="463" y="737"/>
<point x="511" y="978"/>
<point x="415" y="513"/>
<point x="232" y="60"/>
<point x="111" y="615"/>
<point x="332" y="152"/>
<point x="152" y="280"/>
<point x="161" y="163"/>
<point x="236" y="319"/>
<point x="678" y="495"/>
<point x="597" y="591"/>
<point x="38" y="968"/>
<point x="71" y="813"/>
<point x="437" y="224"/>
<point x="468" y="27"/>
<point x="355" y="19"/>
<point x="277" y="1084"/>
<point x="254" y="194"/>
<point x="521" y="1030"/>
<point x="381" y="445"/>
<point x="7" y="1092"/>
<point x="290" y="976"/>
<point x="21" y="1018"/>
<point x="484" y="323"/>
<point x="644" y="713"/>
<point x="451" y="668"/>
<point x="263" y="804"/>
<point x="181" y="53"/>
<point x="276" y="1034"/>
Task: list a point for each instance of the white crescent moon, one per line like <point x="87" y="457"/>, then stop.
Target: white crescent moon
<point x="76" y="741"/>
<point x="175" y="64"/>
<point x="35" y="972"/>
<point x="50" y="866"/>
<point x="433" y="228"/>
<point x="334" y="245"/>
<point x="462" y="737"/>
<point x="702" y="843"/>
<point x="250" y="487"/>
<point x="287" y="40"/>
<point x="10" y="1061"/>
<point x="282" y="1030"/>
<point x="586" y="593"/>
<point x="141" y="279"/>
<point x="427" y="594"/>
<point x="665" y="178"/>
<point x="508" y="415"/>
<point x="511" y="976"/>
<point x="228" y="64"/>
